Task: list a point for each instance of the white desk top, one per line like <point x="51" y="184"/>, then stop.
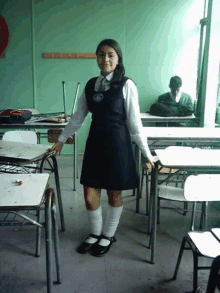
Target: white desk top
<point x="147" y="117"/>
<point x="34" y="125"/>
<point x="28" y="194"/>
<point x="181" y="132"/>
<point x="177" y="156"/>
<point x="21" y="150"/>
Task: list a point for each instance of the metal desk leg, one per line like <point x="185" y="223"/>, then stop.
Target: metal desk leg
<point x="77" y="170"/>
<point x="154" y="181"/>
<point x="57" y="181"/>
<point x="38" y="242"/>
<point x="48" y="239"/>
<point x="56" y="241"/>
<point x="75" y="163"/>
<point x="138" y="166"/>
<point x="138" y="161"/>
<point x="149" y="228"/>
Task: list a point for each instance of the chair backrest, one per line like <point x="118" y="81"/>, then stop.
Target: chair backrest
<point x="20" y="136"/>
<point x="53" y="134"/>
<point x="202" y="187"/>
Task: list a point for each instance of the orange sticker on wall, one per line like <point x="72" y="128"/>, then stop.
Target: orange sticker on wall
<point x="4" y="35"/>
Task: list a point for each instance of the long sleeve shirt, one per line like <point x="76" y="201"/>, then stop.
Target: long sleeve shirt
<point x="132" y="109"/>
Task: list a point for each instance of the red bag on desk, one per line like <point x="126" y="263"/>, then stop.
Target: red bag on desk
<point x="13" y="116"/>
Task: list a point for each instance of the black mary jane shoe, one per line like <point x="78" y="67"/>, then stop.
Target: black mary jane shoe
<point x="99" y="250"/>
<point x="86" y="247"/>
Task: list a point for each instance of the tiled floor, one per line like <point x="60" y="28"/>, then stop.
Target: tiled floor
<point x="125" y="269"/>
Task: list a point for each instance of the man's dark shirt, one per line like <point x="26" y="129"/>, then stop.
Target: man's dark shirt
<point x="184" y="100"/>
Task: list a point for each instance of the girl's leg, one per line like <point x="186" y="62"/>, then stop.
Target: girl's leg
<point x="113" y="215"/>
<point x="115" y="198"/>
<point x="92" y="197"/>
<point x="94" y="211"/>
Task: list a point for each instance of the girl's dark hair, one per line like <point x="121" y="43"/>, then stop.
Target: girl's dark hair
<point x="119" y="70"/>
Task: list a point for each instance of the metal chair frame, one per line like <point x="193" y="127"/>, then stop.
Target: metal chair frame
<point x="20" y="219"/>
<point x="190" y="242"/>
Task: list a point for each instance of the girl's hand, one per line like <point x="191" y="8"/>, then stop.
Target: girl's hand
<point x="57" y="147"/>
<point x="152" y="160"/>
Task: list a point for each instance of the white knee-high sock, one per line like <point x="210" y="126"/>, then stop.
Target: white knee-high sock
<point x="111" y="223"/>
<point x="96" y="222"/>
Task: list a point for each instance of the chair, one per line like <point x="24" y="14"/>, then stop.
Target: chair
<point x="146" y="172"/>
<point x="34" y="112"/>
<point x="20" y="136"/>
<point x="203" y="187"/>
<point x="20" y="167"/>
<point x="169" y="190"/>
<point x="173" y="193"/>
<point x="16" y="198"/>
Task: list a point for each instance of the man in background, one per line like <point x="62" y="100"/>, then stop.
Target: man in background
<point x="175" y="95"/>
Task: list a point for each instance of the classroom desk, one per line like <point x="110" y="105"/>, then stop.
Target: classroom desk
<point x="161" y="137"/>
<point x="193" y="159"/>
<point x="32" y="195"/>
<point x="28" y="125"/>
<point x="22" y="155"/>
<point x="196" y="135"/>
<point x="147" y="117"/>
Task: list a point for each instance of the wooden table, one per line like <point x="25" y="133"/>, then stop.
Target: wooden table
<point x="22" y="155"/>
<point x="39" y="125"/>
<point x="200" y="160"/>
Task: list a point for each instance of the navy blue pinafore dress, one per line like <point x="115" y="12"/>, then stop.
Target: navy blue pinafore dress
<point x="108" y="160"/>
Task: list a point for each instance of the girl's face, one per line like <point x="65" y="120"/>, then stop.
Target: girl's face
<point x="107" y="59"/>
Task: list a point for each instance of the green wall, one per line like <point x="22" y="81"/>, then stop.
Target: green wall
<point x="159" y="39"/>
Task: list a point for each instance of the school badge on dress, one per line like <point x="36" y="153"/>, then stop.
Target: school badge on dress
<point x="98" y="97"/>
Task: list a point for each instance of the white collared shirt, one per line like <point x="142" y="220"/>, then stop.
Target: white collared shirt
<point x="107" y="83"/>
<point x="132" y="109"/>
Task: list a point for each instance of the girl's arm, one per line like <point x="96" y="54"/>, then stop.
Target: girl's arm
<point x="73" y="125"/>
<point x="76" y="120"/>
<point x="134" y="119"/>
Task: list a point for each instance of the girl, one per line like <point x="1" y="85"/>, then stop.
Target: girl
<point x="108" y="161"/>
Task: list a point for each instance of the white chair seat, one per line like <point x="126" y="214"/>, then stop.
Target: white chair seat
<point x="206" y="243"/>
<point x="171" y="193"/>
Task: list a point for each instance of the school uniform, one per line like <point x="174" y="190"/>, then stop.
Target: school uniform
<point x="108" y="160"/>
